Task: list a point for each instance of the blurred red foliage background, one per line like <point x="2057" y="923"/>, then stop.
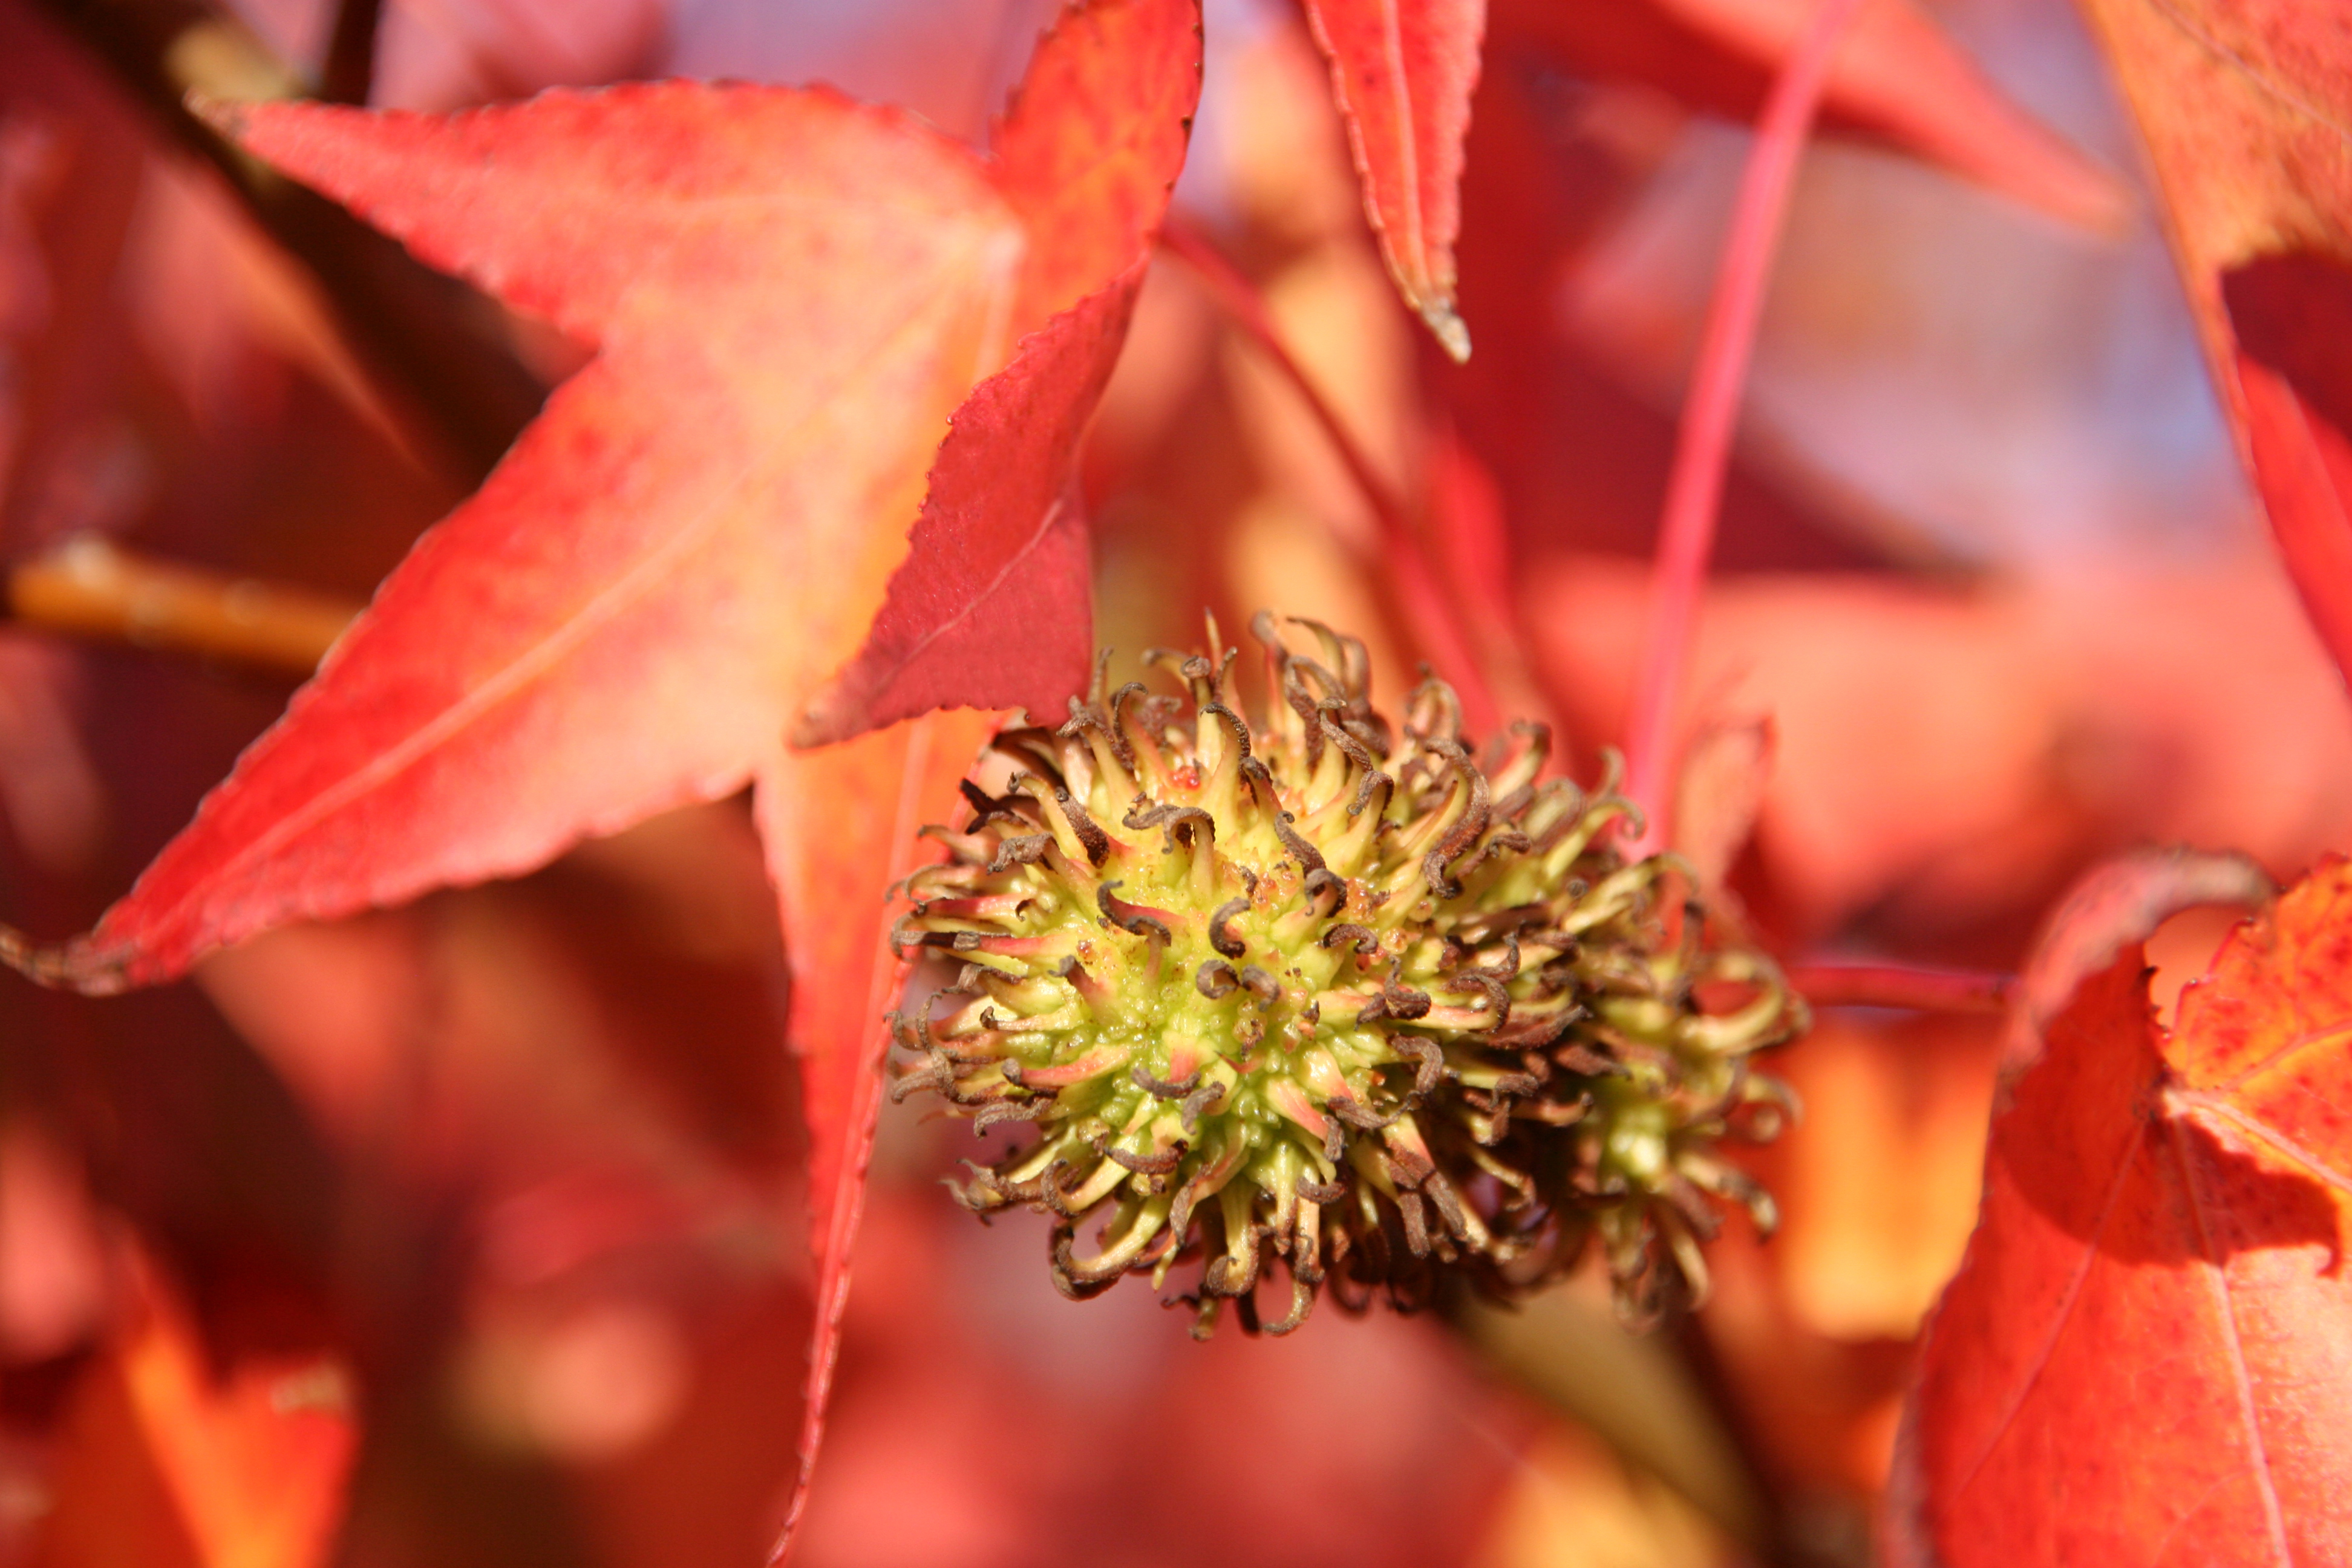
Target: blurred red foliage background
<point x="471" y="1231"/>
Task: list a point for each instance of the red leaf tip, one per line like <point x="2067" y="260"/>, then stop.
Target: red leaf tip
<point x="1446" y="325"/>
<point x="225" y="116"/>
<point x="74" y="966"/>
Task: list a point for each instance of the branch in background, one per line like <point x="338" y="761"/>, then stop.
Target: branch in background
<point x="1400" y="569"/>
<point x="349" y="74"/>
<point x="90" y="588"/>
<point x="1710" y="411"/>
<point x="1917" y="986"/>
<point x="428" y="336"/>
<point x="1637" y="1393"/>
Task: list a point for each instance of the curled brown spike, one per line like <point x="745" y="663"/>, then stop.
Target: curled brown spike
<point x="1406" y="1167"/>
<point x="987" y="807"/>
<point x="1365" y="939"/>
<point x="1216" y="980"/>
<point x="1233" y="1277"/>
<point x="1027" y="849"/>
<point x="1209" y="1092"/>
<point x="1261" y="785"/>
<point x="1373" y="730"/>
<point x="1466" y="832"/>
<point x="1416" y="1222"/>
<point x="1432" y="712"/>
<point x="1361" y="756"/>
<point x="1358" y="1115"/>
<point x="1102" y="671"/>
<point x="1051" y="1192"/>
<point x="1428" y="1062"/>
<point x="1504" y="841"/>
<point x="1260" y="985"/>
<point x="1223" y="680"/>
<point x="1306" y="854"/>
<point x="1225" y="941"/>
<point x="1010" y="1111"/>
<point x="1157" y="1164"/>
<point x="1161" y="1088"/>
<point x="1302" y="1301"/>
<point x="1086" y="716"/>
<point x="1403" y="1002"/>
<point x="1334" y="689"/>
<point x="934" y="1074"/>
<point x="1347" y="652"/>
<point x="1538" y="737"/>
<point x="1324" y="1193"/>
<point x="1290" y="686"/>
<point x="1499" y="996"/>
<point x="1180" y="1212"/>
<point x="1173" y="659"/>
<point x="1195" y="823"/>
<point x="1122" y="743"/>
<point x="1096" y="842"/>
<point x="1475" y="819"/>
<point x="1033" y="748"/>
<point x="1080" y="1281"/>
<point x="1449" y="1206"/>
<point x="1320" y="881"/>
<point x="1241" y="729"/>
<point x="1586" y="1061"/>
<point x="1335" y="1140"/>
<point x="1127" y="917"/>
<point x="1356" y="667"/>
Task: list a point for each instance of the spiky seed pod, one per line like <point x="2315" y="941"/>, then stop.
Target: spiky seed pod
<point x="1292" y="992"/>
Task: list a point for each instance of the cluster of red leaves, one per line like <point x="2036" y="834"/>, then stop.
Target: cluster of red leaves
<point x="820" y="478"/>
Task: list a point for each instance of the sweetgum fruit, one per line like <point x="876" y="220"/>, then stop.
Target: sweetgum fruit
<point x="1303" y="994"/>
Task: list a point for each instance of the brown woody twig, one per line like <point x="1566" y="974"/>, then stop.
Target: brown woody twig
<point x="90" y="588"/>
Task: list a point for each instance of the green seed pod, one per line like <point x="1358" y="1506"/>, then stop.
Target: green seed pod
<point x="1292" y="994"/>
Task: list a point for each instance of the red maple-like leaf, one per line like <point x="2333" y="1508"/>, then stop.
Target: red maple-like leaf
<point x="2246" y="109"/>
<point x="1403" y="72"/>
<point x="831" y="866"/>
<point x="980" y="613"/>
<point x="2143" y="1358"/>
<point x="788" y="295"/>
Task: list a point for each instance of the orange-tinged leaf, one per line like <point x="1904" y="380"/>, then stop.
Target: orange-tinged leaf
<point x="693" y="533"/>
<point x="788" y="295"/>
<point x="171" y="1460"/>
<point x="1403" y="72"/>
<point x="840" y="827"/>
<point x="2246" y="109"/>
<point x="989" y="608"/>
<point x="2147" y="1356"/>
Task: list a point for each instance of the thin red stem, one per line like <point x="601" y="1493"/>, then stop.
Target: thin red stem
<point x="1431" y="617"/>
<point x="1703" y="449"/>
<point x="1917" y="986"/>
